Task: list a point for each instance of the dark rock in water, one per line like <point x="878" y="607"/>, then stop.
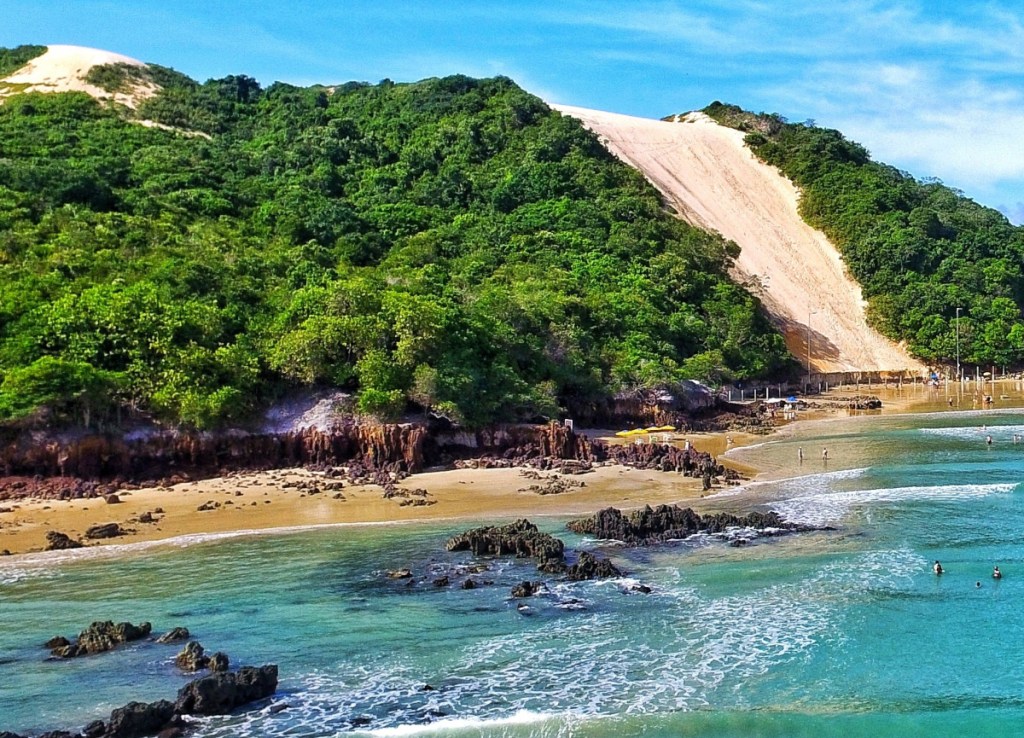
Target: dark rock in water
<point x="551" y="566"/>
<point x="426" y="688"/>
<point x="102" y="636"/>
<point x="279" y="707"/>
<point x="9" y="734"/>
<point x="526" y="589"/>
<point x="360" y="721"/>
<point x="441" y="582"/>
<point x="521" y="539"/>
<point x="57" y="642"/>
<point x="192" y="657"/>
<point x="219" y="662"/>
<point x="174" y="635"/>
<point x="95" y="729"/>
<point x="399" y="573"/>
<point x="641" y="588"/>
<point x="57" y="541"/>
<point x="172" y="732"/>
<point x="469" y="584"/>
<point x="657" y="525"/>
<point x="589" y="566"/>
<point x="104" y="530"/>
<point x="138" y="719"/>
<point x="219" y="694"/>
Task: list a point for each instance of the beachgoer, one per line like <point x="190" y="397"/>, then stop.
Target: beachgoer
<point x="824" y="454"/>
<point x="977" y="585"/>
<point x="988" y="440"/>
<point x="937" y="568"/>
<point x="996" y="574"/>
<point x="800" y="454"/>
<point x="951" y="402"/>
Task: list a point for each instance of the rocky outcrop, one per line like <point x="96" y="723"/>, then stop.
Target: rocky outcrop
<point x="219" y="694"/>
<point x="100" y="637"/>
<point x="57" y="541"/>
<point x="104" y="530"/>
<point x="101" y="465"/>
<point x="665" y="522"/>
<point x="588" y="566"/>
<point x="527" y="589"/>
<point x="174" y="635"/>
<point x="138" y="719"/>
<point x="192" y="657"/>
<point x="521" y="539"/>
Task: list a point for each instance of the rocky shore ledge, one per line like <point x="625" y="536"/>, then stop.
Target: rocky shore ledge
<point x="100" y="465"/>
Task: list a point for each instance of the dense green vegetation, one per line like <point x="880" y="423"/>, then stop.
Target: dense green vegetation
<point x="452" y="244"/>
<point x="920" y="250"/>
<point x="11" y="60"/>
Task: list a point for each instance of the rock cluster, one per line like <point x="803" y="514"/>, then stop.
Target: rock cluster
<point x="588" y="566"/>
<point x="665" y="522"/>
<point x="217" y="694"/>
<point x="97" y="638"/>
<point x="193" y="658"/>
<point x="521" y="539"/>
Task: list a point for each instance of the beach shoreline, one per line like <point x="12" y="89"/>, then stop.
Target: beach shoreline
<point x="299" y="498"/>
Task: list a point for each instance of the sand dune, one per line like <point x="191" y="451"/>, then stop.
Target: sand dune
<point x="714" y="182"/>
<point x="63" y="69"/>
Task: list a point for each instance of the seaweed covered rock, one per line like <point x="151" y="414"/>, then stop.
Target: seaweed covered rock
<point x="521" y="539"/>
<point x="665" y="522"/>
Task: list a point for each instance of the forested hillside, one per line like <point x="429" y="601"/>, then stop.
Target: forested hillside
<point x="450" y="245"/>
<point x="919" y="249"/>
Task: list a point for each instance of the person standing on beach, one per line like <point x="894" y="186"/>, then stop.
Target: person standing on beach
<point x="800" y="454"/>
<point x="824" y="453"/>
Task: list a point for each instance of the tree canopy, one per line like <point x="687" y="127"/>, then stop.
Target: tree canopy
<point x="451" y="244"/>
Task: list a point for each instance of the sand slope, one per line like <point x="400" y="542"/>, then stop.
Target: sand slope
<point x="63" y="69"/>
<point x="714" y="182"/>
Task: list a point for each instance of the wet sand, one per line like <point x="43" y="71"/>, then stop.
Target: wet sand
<point x="283" y="498"/>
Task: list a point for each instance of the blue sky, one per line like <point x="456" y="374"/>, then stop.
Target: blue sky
<point x="933" y="87"/>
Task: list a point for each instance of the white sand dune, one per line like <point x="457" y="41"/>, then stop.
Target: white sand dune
<point x="714" y="181"/>
<point x="64" y="68"/>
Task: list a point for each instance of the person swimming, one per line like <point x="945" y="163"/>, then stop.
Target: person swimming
<point x="996" y="574"/>
<point x="988" y="440"/>
<point x="937" y="568"/>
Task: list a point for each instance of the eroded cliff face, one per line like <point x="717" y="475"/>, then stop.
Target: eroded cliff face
<point x="93" y="465"/>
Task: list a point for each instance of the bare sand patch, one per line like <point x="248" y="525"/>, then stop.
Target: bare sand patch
<point x="64" y="68"/>
<point x="714" y="181"/>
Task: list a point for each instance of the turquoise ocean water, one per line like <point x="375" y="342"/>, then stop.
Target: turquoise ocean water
<point x="833" y="633"/>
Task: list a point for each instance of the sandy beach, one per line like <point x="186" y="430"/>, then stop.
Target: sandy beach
<point x="296" y="497"/>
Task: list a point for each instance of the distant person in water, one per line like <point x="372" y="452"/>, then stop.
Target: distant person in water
<point x="937" y="568"/>
<point x="988" y="440"/>
<point x="996" y="574"/>
<point x="977" y="585"/>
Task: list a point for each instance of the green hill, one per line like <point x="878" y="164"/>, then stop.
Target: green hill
<point x="451" y="244"/>
<point x="920" y="250"/>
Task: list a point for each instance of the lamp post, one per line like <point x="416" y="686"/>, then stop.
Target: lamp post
<point x="958" y="344"/>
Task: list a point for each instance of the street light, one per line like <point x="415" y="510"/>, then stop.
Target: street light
<point x="958" y="344"/>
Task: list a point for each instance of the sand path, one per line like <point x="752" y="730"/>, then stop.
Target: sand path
<point x="714" y="182"/>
